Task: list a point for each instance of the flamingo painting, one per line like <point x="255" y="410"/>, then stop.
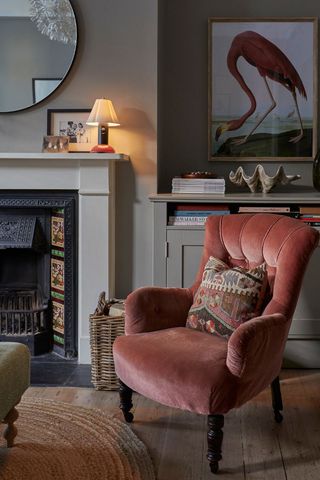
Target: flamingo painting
<point x="272" y="64"/>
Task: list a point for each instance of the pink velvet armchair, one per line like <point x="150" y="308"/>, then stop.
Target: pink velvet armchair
<point x="180" y="367"/>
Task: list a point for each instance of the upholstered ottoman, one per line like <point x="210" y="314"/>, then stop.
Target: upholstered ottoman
<point x="14" y="380"/>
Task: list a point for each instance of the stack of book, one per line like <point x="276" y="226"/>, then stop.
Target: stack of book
<point x="311" y="216"/>
<point x="198" y="185"/>
<point x="195" y="214"/>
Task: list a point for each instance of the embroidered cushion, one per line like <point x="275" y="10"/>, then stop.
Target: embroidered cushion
<point x="227" y="297"/>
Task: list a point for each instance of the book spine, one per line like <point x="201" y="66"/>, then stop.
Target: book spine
<point x="205" y="185"/>
<point x="198" y="181"/>
<point x="309" y="210"/>
<point x="264" y="209"/>
<point x="191" y="217"/>
<point x="199" y="190"/>
<point x="195" y="213"/>
<point x="179" y="220"/>
<point x="199" y="207"/>
<point x="178" y="224"/>
<point x="311" y="224"/>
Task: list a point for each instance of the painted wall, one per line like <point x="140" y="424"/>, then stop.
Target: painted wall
<point x="116" y="58"/>
<point x="183" y="83"/>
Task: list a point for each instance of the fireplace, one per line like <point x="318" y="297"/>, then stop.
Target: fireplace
<point x="89" y="262"/>
<point x="38" y="304"/>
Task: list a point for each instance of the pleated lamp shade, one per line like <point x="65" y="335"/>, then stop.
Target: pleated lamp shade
<point x="103" y="113"/>
<point x="104" y="116"/>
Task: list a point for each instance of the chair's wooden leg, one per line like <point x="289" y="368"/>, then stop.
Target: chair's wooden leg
<point x="11" y="430"/>
<point x="276" y="400"/>
<point x="125" y="393"/>
<point x="215" y="437"/>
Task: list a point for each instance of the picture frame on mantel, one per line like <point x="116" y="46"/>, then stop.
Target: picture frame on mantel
<point x="263" y="85"/>
<point x="72" y="123"/>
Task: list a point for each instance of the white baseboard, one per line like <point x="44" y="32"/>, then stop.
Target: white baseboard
<point x="302" y="353"/>
<point x="305" y="328"/>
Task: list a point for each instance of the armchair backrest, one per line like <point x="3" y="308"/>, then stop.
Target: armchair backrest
<point x="247" y="240"/>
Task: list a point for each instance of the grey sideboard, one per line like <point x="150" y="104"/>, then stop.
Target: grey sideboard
<point x="177" y="252"/>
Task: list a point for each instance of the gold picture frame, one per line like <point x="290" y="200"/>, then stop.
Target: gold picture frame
<point x="263" y="81"/>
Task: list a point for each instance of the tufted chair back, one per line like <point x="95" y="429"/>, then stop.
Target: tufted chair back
<point x="248" y="240"/>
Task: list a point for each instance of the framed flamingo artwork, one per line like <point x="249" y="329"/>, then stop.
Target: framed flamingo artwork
<point x="263" y="89"/>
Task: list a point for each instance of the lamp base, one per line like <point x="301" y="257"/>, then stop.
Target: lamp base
<point x="102" y="149"/>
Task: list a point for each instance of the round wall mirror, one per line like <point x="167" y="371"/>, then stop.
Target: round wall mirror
<point x="38" y="40"/>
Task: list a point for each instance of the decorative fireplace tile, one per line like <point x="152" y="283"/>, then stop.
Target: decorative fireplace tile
<point x="58" y="316"/>
<point x="59" y="296"/>
<point x="58" y="340"/>
<point x="57" y="253"/>
<point x="57" y="232"/>
<point x="57" y="274"/>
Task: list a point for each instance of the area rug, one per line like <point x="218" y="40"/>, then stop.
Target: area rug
<point x="61" y="441"/>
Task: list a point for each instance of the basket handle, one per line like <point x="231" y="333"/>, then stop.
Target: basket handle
<point x="103" y="305"/>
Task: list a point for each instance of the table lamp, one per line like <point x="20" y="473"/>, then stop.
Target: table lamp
<point x="104" y="116"/>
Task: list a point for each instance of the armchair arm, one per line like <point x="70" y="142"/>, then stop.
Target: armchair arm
<point x="256" y="347"/>
<point x="154" y="308"/>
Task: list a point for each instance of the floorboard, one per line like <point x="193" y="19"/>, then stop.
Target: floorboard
<point x="300" y="432"/>
<point x="254" y="447"/>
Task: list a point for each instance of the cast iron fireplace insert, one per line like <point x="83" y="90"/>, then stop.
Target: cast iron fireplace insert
<point x="38" y="282"/>
<point x="24" y="281"/>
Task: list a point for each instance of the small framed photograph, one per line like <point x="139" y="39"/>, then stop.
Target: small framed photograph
<point x="72" y="123"/>
<point x="55" y="144"/>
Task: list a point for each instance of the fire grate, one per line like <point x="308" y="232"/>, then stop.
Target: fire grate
<point x="22" y="312"/>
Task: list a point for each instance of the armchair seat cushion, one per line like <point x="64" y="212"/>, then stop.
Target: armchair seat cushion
<point x="14" y="375"/>
<point x="179" y="367"/>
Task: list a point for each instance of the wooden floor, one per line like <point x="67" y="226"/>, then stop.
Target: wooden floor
<point x="254" y="446"/>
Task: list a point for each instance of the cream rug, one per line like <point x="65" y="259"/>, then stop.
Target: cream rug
<point x="66" y="442"/>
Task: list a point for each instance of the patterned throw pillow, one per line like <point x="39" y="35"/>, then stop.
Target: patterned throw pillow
<point x="227" y="297"/>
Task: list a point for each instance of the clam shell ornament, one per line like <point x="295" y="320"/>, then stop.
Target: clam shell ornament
<point x="260" y="181"/>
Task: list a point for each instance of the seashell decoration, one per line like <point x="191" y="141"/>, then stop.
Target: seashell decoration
<point x="260" y="181"/>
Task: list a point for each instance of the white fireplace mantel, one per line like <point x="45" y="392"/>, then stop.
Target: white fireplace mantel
<point x="92" y="176"/>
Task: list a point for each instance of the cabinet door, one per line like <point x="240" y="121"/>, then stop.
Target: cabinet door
<point x="184" y="254"/>
<point x="307" y="314"/>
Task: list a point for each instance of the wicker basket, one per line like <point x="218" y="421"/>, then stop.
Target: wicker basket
<point x="103" y="332"/>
